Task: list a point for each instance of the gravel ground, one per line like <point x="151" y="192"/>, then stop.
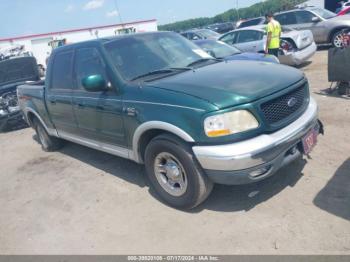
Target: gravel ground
<point x="81" y="201"/>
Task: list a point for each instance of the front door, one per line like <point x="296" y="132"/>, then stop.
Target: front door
<point x="250" y="41"/>
<point x="306" y="22"/>
<point x="98" y="114"/>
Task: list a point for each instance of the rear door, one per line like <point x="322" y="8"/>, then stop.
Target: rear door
<point x="99" y="114"/>
<point x="250" y="41"/>
<point x="59" y="93"/>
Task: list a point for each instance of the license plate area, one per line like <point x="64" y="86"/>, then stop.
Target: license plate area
<point x="310" y="140"/>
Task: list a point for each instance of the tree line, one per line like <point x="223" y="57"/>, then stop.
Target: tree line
<point x="233" y="15"/>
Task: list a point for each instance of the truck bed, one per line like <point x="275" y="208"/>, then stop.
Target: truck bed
<point x="31" y="95"/>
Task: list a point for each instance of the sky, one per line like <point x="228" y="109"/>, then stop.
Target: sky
<point x="23" y="17"/>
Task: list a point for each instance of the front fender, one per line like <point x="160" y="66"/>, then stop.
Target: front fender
<point x="159" y="125"/>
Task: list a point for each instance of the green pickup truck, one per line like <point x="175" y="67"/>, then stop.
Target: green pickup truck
<point x="159" y="100"/>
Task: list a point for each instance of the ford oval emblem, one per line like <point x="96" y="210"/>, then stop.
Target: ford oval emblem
<point x="292" y="102"/>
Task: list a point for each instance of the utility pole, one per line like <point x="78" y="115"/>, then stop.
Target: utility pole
<point x="237" y="10"/>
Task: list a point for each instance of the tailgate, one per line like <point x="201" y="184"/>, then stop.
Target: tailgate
<point x="302" y="39"/>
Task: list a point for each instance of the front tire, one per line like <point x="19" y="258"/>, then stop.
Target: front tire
<point x="48" y="143"/>
<point x="337" y="39"/>
<point x="175" y="174"/>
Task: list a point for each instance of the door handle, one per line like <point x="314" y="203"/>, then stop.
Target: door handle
<point x="52" y="101"/>
<point x="100" y="108"/>
<point x="80" y="105"/>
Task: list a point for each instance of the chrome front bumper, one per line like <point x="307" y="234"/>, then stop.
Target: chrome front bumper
<point x="298" y="57"/>
<point x="234" y="163"/>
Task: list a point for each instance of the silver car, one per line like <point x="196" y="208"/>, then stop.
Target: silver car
<point x="296" y="46"/>
<point x="325" y="25"/>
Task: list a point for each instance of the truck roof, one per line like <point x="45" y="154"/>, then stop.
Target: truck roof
<point x="105" y="40"/>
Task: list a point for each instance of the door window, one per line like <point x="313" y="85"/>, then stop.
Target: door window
<point x="286" y="18"/>
<point x="249" y="36"/>
<point x="62" y="71"/>
<point x="229" y="38"/>
<point x="88" y="62"/>
<point x="304" y="17"/>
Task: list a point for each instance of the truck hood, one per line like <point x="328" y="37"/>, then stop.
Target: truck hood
<point x="18" y="70"/>
<point x="232" y="83"/>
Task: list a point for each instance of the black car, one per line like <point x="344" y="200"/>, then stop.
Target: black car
<point x="252" y="22"/>
<point x="221" y="28"/>
<point x="200" y="34"/>
<point x="14" y="72"/>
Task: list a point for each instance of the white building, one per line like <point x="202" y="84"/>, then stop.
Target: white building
<point x="39" y="44"/>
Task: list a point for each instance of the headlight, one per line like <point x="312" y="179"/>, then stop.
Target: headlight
<point x="230" y="123"/>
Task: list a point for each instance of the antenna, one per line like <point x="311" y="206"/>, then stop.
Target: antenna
<point x="117" y="8"/>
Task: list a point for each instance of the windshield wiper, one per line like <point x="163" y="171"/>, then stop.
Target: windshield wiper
<point x="155" y="72"/>
<point x="202" y="60"/>
<point x="187" y="68"/>
<point x="162" y="71"/>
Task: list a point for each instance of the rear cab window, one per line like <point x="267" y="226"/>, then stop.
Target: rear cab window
<point x="62" y="71"/>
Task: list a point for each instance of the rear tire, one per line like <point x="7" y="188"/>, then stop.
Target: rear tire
<point x="174" y="173"/>
<point x="48" y="143"/>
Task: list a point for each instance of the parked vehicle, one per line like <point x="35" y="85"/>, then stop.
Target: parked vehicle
<point x="325" y="25"/>
<point x="252" y="22"/>
<point x="296" y="46"/>
<point x="159" y="100"/>
<point x="222" y="50"/>
<point x="221" y="28"/>
<point x="345" y="11"/>
<point x="343" y="6"/>
<point x="14" y="72"/>
<point x="198" y="34"/>
<point x="13" y="51"/>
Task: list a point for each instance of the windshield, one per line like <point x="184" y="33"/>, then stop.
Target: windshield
<point x="138" y="55"/>
<point x="323" y="13"/>
<point x="208" y="33"/>
<point x="218" y="49"/>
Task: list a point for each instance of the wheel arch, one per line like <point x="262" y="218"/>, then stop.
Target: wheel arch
<point x="335" y="30"/>
<point x="147" y="131"/>
<point x="30" y="115"/>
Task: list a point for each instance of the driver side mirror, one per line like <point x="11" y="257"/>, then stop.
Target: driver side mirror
<point x="195" y="38"/>
<point x="94" y="83"/>
<point x="315" y="19"/>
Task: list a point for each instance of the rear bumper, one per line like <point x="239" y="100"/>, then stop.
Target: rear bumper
<point x="257" y="158"/>
<point x="299" y="57"/>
